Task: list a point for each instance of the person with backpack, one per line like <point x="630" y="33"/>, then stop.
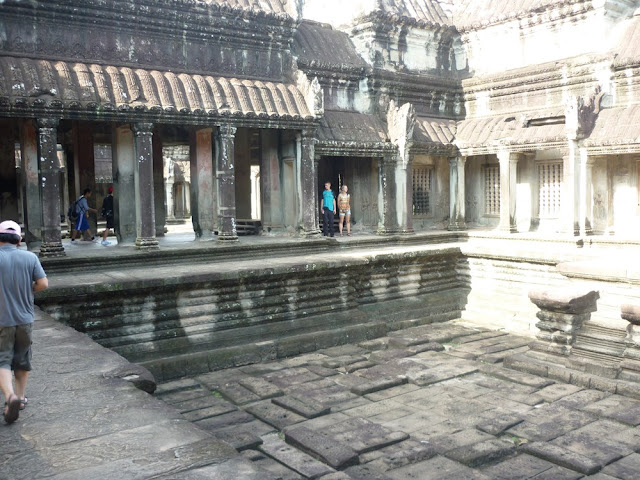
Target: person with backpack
<point x="82" y="210"/>
<point x="107" y="213"/>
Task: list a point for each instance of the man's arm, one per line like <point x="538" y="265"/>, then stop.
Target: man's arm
<point x="334" y="205"/>
<point x="40" y="284"/>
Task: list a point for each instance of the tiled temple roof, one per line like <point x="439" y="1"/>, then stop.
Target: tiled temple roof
<point x="433" y="134"/>
<point x="341" y="126"/>
<point x="89" y="87"/>
<point x="628" y="50"/>
<point x="318" y="45"/>
<point x="487" y="133"/>
<point x="617" y="127"/>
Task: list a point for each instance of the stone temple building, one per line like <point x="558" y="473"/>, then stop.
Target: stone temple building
<point x="438" y="114"/>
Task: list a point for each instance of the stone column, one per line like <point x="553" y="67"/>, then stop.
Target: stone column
<point x="203" y="212"/>
<point x="308" y="180"/>
<point x="271" y="182"/>
<point x="508" y="184"/>
<point x="387" y="197"/>
<point x="158" y="185"/>
<point x="145" y="206"/>
<point x="225" y="176"/>
<point x="124" y="198"/>
<point x="32" y="201"/>
<point x="84" y="166"/>
<point x="571" y="190"/>
<point x="586" y="198"/>
<point x="457" y="193"/>
<point x="562" y="314"/>
<point x="49" y="181"/>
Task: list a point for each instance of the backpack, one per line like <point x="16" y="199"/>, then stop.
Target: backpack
<point x="72" y="212"/>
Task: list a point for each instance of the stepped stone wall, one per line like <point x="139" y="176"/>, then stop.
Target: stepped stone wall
<point x="196" y="322"/>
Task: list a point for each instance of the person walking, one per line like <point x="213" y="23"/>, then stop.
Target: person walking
<point x="21" y="275"/>
<point x="328" y="209"/>
<point x="344" y="207"/>
<point x="82" y="211"/>
<point x="107" y="213"/>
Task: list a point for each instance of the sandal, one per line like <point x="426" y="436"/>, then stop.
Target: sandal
<point x="23" y="403"/>
<point x="12" y="408"/>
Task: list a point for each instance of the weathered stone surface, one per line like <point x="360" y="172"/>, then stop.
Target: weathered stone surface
<point x="375" y="386"/>
<point x="398" y="455"/>
<point x="481" y="453"/>
<point x="462" y="438"/>
<point x="322" y="447"/>
<point x="362" y="435"/>
<point x="627" y="467"/>
<point x="237" y="393"/>
<point x="136" y="374"/>
<point x="274" y="415"/>
<point x="238" y="439"/>
<point x="438" y="468"/>
<point x="306" y="407"/>
<point x="499" y="423"/>
<point x="527" y="466"/>
<point x="261" y="387"/>
<point x="563" y="457"/>
<point x="631" y="313"/>
<point x="565" y="300"/>
<point x="179" y="396"/>
<point x="296" y="460"/>
<point x="366" y="472"/>
<point x="225" y="420"/>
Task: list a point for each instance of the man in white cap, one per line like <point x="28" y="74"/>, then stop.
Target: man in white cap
<point x="20" y="276"/>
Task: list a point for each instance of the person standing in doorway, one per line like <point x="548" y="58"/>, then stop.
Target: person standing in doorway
<point x="21" y="275"/>
<point x="328" y="210"/>
<point x="344" y="207"/>
<point x="82" y="211"/>
<point x="107" y="213"/>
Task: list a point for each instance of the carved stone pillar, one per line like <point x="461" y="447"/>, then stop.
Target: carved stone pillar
<point x="145" y="206"/>
<point x="457" y="193"/>
<point x="308" y="180"/>
<point x="158" y="186"/>
<point x="586" y="198"/>
<point x="571" y="190"/>
<point x="32" y="201"/>
<point x="203" y="211"/>
<point x="124" y="199"/>
<point x="404" y="175"/>
<point x="508" y="184"/>
<point x="225" y="175"/>
<point x="85" y="166"/>
<point x="49" y="181"/>
<point x="562" y="314"/>
<point x="387" y="187"/>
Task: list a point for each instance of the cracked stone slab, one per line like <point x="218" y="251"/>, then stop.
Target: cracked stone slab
<point x="618" y="408"/>
<point x="516" y="377"/>
<point x="366" y="472"/>
<point x="219" y="408"/>
<point x="238" y="439"/>
<point x="528" y="466"/>
<point x="291" y="376"/>
<point x="563" y="457"/>
<point x="440" y="374"/>
<point x="557" y="391"/>
<point x="322" y="371"/>
<point x="261" y="387"/>
<point x="306" y="407"/>
<point x="274" y="415"/>
<point x="322" y="447"/>
<point x="438" y="468"/>
<point x="343" y="361"/>
<point x="237" y="394"/>
<point x="463" y="438"/>
<point x="481" y="453"/>
<point x="627" y="467"/>
<point x="225" y="420"/>
<point x="377" y="385"/>
<point x="499" y="423"/>
<point x="294" y="459"/>
<point x="398" y="455"/>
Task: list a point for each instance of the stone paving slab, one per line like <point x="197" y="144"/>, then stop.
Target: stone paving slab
<point x="302" y="406"/>
<point x="332" y="452"/>
<point x="298" y="461"/>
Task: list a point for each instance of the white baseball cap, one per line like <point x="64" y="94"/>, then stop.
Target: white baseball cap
<point x="9" y="226"/>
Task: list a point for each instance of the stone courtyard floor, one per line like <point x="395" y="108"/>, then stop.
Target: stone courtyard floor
<point x="431" y="402"/>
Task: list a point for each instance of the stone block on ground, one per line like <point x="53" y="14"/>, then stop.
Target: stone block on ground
<point x="322" y="447"/>
<point x="261" y="387"/>
<point x="516" y="377"/>
<point x="438" y="468"/>
<point x="398" y="455"/>
<point x="498" y="424"/>
<point x="237" y="393"/>
<point x="377" y="385"/>
<point x="225" y="420"/>
<point x="238" y="439"/>
<point x="294" y="459"/>
<point x="563" y="457"/>
<point x="274" y="415"/>
<point x="565" y="300"/>
<point x="362" y="435"/>
<point x="306" y="407"/>
<point x="366" y="472"/>
<point x="482" y="453"/>
<point x="528" y="466"/>
<point x="626" y="467"/>
<point x="183" y="395"/>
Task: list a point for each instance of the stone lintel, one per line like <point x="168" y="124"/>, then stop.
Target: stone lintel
<point x="565" y="300"/>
